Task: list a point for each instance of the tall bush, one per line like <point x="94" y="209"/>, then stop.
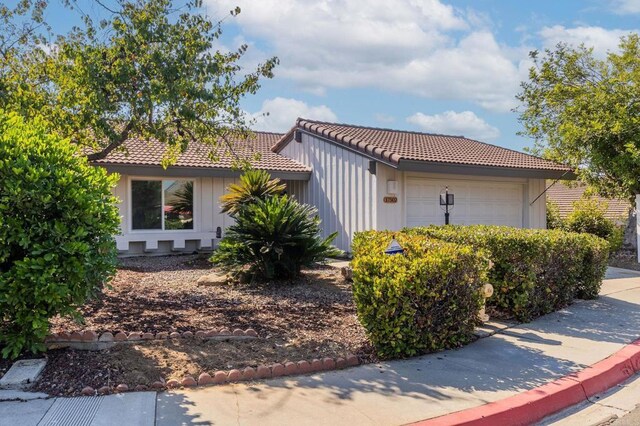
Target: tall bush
<point x="554" y="220"/>
<point x="424" y="300"/>
<point x="57" y="221"/>
<point x="589" y="216"/>
<point x="274" y="236"/>
<point x="535" y="271"/>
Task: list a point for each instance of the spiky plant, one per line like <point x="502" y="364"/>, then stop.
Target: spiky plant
<point x="273" y="238"/>
<point x="254" y="185"/>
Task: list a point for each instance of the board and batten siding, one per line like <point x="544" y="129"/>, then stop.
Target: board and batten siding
<point x="341" y="187"/>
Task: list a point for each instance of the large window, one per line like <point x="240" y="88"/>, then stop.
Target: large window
<point x="161" y="204"/>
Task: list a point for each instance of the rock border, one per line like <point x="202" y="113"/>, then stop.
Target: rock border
<point x="90" y="340"/>
<point x="222" y="377"/>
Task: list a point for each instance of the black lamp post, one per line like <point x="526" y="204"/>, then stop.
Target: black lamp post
<point x="446" y="200"/>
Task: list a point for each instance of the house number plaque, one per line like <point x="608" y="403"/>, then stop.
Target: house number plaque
<point x="390" y="200"/>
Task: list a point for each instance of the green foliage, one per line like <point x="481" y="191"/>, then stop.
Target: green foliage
<point x="589" y="215"/>
<point x="584" y="111"/>
<point x="57" y="221"/>
<point x="148" y="68"/>
<point x="535" y="271"/>
<point x="272" y="239"/>
<point x="554" y="220"/>
<point x="425" y="300"/>
<point x="254" y="185"/>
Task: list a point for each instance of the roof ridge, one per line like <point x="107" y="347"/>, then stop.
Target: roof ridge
<point x="387" y="129"/>
<point x="268" y="133"/>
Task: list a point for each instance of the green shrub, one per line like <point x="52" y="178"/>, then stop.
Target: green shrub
<point x="554" y="220"/>
<point x="57" y="221"/>
<point x="589" y="216"/>
<point x="535" y="271"/>
<point x="425" y="300"/>
<point x="254" y="185"/>
<point x="272" y="239"/>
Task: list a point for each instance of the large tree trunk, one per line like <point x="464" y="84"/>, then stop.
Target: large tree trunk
<point x="630" y="241"/>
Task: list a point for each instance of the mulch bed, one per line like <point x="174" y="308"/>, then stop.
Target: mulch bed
<point x="312" y="317"/>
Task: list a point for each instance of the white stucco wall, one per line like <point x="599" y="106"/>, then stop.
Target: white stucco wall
<point x="393" y="216"/>
<point x="341" y="187"/>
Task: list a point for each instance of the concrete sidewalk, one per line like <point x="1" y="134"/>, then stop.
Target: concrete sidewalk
<point x="391" y="393"/>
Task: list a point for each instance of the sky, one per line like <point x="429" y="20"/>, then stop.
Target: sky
<point x="450" y="67"/>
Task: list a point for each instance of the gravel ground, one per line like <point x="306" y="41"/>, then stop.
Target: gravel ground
<point x="311" y="317"/>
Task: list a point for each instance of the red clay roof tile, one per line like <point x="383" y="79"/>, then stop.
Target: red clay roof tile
<point x="564" y="197"/>
<point x="151" y="152"/>
<point x="394" y="146"/>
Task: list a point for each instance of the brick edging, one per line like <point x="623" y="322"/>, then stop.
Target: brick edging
<point x="232" y="376"/>
<point x="537" y="403"/>
<point x="90" y="336"/>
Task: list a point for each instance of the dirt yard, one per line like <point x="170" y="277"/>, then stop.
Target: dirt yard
<point x="310" y="318"/>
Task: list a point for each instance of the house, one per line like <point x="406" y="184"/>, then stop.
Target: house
<point x="564" y="196"/>
<point x="357" y="177"/>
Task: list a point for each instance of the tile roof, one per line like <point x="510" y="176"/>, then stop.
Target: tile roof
<point x="394" y="146"/>
<point x="564" y="197"/>
<point x="150" y="153"/>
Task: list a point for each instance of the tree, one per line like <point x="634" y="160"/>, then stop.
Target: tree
<point x="149" y="70"/>
<point x="585" y="112"/>
<point x="57" y="222"/>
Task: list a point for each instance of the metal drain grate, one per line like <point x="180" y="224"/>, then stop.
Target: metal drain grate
<point x="72" y="412"/>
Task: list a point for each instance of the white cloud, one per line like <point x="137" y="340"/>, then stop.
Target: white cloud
<point x="421" y="47"/>
<point x="602" y="40"/>
<point x="624" y="7"/>
<point x="279" y="114"/>
<point x="465" y="123"/>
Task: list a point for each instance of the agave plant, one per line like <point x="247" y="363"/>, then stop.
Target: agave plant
<point x="254" y="185"/>
<point x="273" y="238"/>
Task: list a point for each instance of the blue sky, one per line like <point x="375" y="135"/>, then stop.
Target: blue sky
<point x="438" y="66"/>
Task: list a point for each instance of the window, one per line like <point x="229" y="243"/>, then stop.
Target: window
<point x="161" y="204"/>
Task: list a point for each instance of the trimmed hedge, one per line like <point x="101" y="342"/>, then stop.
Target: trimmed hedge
<point x="535" y="271"/>
<point x="425" y="300"/>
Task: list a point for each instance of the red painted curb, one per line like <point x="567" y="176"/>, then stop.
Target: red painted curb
<point x="535" y="404"/>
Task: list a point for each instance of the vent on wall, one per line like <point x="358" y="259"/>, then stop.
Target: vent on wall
<point x="372" y="167"/>
<point x="298" y="136"/>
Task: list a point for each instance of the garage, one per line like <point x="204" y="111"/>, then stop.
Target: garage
<point x="475" y="202"/>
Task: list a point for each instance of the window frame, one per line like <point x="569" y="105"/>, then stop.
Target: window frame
<point x="162" y="230"/>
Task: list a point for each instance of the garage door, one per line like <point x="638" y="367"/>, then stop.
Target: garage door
<point x="490" y="203"/>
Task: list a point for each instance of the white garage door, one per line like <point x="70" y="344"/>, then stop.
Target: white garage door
<point x="490" y="203"/>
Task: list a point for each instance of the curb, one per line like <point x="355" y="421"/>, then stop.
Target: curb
<point x="535" y="404"/>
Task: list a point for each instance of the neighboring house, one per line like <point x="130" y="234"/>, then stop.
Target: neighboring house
<point x="359" y="178"/>
<point x="564" y="196"/>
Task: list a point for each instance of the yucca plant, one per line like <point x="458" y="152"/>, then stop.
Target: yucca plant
<point x="273" y="238"/>
<point x="254" y="185"/>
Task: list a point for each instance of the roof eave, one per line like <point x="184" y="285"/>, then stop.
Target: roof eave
<point x="181" y="171"/>
<point x="478" y="170"/>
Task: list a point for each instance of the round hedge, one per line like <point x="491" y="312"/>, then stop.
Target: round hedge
<point x="424" y="300"/>
<point x="57" y="222"/>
